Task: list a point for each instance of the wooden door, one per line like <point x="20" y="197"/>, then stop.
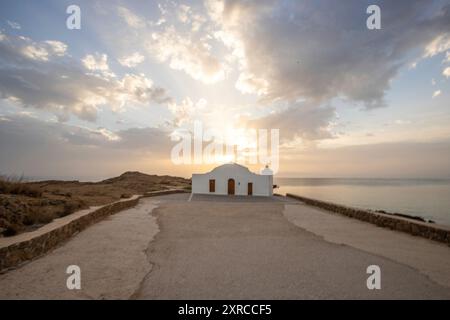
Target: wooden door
<point x="230" y="186"/>
<point x="212" y="185"/>
<point x="250" y="188"/>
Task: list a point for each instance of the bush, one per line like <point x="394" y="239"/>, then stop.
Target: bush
<point x="10" y="231"/>
<point x="44" y="217"/>
<point x="12" y="185"/>
<point x="70" y="207"/>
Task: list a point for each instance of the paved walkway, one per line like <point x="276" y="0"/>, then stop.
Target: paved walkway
<point x="111" y="255"/>
<point x="228" y="249"/>
<point x="234" y="248"/>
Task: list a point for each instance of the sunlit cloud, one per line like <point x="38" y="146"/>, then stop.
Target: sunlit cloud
<point x="184" y="53"/>
<point x="132" y="19"/>
<point x="132" y="60"/>
<point x="446" y="72"/>
<point x="45" y="77"/>
<point x="438" y="45"/>
<point x="436" y="93"/>
<point x="42" y="51"/>
<point x="447" y="57"/>
<point x="98" y="62"/>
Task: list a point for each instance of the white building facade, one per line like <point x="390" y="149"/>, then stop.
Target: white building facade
<point x="233" y="179"/>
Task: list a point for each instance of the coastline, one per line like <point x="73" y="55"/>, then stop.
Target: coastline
<point x="425" y="198"/>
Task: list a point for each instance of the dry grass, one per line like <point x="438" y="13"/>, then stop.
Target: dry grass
<point x="17" y="186"/>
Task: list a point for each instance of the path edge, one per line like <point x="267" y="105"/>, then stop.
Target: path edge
<point x="22" y="251"/>
<point x="416" y="228"/>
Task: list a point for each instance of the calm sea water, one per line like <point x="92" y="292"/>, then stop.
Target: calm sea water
<point x="428" y="198"/>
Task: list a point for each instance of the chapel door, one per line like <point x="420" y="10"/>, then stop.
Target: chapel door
<point x="250" y="188"/>
<point x="231" y="186"/>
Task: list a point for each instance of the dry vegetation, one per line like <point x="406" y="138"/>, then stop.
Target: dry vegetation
<point x="25" y="206"/>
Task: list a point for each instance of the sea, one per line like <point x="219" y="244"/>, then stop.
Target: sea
<point x="426" y="198"/>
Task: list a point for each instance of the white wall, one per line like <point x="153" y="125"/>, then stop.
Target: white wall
<point x="262" y="184"/>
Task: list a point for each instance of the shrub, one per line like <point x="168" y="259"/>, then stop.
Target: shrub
<point x="11" y="230"/>
<point x="70" y="207"/>
<point x="12" y="185"/>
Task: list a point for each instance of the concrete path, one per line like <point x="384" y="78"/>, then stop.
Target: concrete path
<point x="429" y="257"/>
<point x="234" y="248"/>
<point x="110" y="254"/>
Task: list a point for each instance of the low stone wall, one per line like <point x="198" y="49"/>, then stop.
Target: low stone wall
<point x="20" y="251"/>
<point x="416" y="228"/>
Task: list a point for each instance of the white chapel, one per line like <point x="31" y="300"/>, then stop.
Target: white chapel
<point x="233" y="179"/>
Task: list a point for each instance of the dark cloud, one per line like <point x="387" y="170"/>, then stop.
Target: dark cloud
<point x="322" y="49"/>
<point x="42" y="148"/>
<point x="303" y="120"/>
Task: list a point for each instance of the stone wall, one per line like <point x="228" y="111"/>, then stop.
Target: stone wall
<point x="20" y="251"/>
<point x="416" y="228"/>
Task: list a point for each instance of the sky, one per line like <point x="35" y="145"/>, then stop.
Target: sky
<point x="119" y="93"/>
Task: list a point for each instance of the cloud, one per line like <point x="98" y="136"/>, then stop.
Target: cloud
<point x="249" y="83"/>
<point x="14" y="25"/>
<point x="188" y="111"/>
<point x="446" y="72"/>
<point x="139" y="88"/>
<point x="43" y="51"/>
<point x="319" y="50"/>
<point x="79" y="135"/>
<point x="184" y="13"/>
<point x="186" y="53"/>
<point x="436" y="93"/>
<point x="97" y="62"/>
<point x="3" y="118"/>
<point x="132" y="19"/>
<point x="401" y="122"/>
<point x="50" y="79"/>
<point x="132" y="60"/>
<point x="179" y="37"/>
<point x="439" y="44"/>
<point x="288" y="51"/>
<point x="299" y="120"/>
<point x="447" y="57"/>
<point x="46" y="148"/>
